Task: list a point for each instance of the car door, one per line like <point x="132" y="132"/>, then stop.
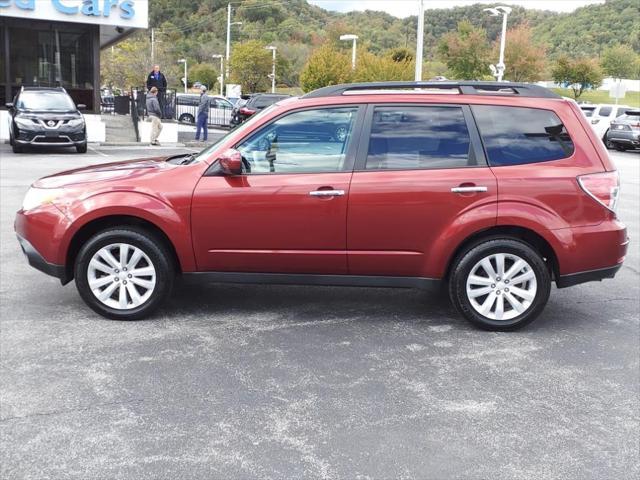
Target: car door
<point x="421" y="182"/>
<point x="287" y="212"/>
<point x="220" y="111"/>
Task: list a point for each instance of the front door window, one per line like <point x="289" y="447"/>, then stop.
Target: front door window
<point x="307" y="141"/>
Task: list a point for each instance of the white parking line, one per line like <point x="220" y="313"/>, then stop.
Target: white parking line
<point x="99" y="152"/>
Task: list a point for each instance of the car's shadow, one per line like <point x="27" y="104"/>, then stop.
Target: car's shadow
<point x="310" y="302"/>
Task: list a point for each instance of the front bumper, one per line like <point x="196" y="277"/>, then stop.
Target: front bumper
<point x="38" y="262"/>
<point x="40" y="233"/>
<point x="61" y="137"/>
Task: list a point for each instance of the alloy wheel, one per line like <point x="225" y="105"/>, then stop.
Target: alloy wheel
<point x="121" y="276"/>
<point x="501" y="286"/>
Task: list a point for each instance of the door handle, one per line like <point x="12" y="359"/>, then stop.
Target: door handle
<point x="327" y="193"/>
<point x="469" y="189"/>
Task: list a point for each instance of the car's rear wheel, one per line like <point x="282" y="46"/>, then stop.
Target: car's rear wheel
<point x="607" y="142"/>
<point x="187" y="118"/>
<point x="500" y="284"/>
<point x="124" y="273"/>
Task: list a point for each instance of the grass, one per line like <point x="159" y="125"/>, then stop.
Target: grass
<point x="601" y="96"/>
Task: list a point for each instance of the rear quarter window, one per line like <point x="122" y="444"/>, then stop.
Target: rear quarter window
<point x="517" y="135"/>
<point x="605" y="111"/>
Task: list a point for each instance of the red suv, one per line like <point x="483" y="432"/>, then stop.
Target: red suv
<point x="496" y="189"/>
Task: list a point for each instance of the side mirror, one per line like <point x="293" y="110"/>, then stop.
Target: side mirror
<point x="9" y="105"/>
<point x="231" y="162"/>
<point x="82" y="106"/>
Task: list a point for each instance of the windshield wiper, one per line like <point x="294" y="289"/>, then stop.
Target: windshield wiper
<point x="183" y="159"/>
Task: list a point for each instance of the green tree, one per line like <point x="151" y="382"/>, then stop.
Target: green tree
<point x="378" y="68"/>
<point x="401" y="54"/>
<point x="250" y="66"/>
<point x="466" y="52"/>
<point x="326" y="66"/>
<point x="204" y="73"/>
<point x="525" y="61"/>
<point x="619" y="61"/>
<point x="579" y="75"/>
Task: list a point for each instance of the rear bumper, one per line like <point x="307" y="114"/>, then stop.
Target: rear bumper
<point x="572" y="279"/>
<point x="591" y="253"/>
<point x="626" y="138"/>
<point x="37" y="261"/>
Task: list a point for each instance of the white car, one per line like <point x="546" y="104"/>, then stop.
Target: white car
<point x="187" y="109"/>
<point x="601" y="115"/>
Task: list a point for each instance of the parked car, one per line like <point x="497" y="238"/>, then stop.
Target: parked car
<point x="253" y="104"/>
<point x="624" y="132"/>
<point x="187" y="109"/>
<point x="45" y="117"/>
<point x="494" y="189"/>
<point x="601" y="116"/>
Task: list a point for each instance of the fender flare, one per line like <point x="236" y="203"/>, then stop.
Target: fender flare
<point x="174" y="224"/>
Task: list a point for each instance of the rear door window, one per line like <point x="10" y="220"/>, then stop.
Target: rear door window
<point x="407" y="138"/>
<point x="517" y="135"/>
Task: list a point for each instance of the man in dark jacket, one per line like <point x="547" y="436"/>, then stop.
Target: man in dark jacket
<point x="157" y="79"/>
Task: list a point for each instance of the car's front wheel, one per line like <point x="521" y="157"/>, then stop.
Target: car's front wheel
<point x="82" y="148"/>
<point x="500" y="284"/>
<point x="124" y="273"/>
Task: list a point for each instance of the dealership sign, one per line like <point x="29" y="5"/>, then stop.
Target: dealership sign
<point x="124" y="13"/>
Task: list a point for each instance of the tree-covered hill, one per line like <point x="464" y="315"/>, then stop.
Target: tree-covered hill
<point x="197" y="30"/>
<point x="202" y="25"/>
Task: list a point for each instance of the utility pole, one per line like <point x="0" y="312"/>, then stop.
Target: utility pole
<point x="420" y="42"/>
<point x="228" y="38"/>
<point x="229" y="24"/>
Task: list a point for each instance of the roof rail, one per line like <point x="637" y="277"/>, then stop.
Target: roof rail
<point x="464" y="88"/>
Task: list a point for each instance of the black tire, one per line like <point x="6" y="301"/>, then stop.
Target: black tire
<point x="620" y="148"/>
<point x="187" y="118"/>
<point x="17" y="148"/>
<point x="81" y="148"/>
<point x="466" y="261"/>
<point x="155" y="250"/>
<point x="607" y="142"/>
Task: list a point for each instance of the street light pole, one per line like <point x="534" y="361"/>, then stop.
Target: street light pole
<point x="354" y="38"/>
<point x="273" y="68"/>
<point x="184" y="60"/>
<point x="420" y="42"/>
<point x="498" y="70"/>
<point x="221" y="57"/>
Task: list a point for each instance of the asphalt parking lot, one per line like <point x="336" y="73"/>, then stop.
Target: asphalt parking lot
<point x="238" y="382"/>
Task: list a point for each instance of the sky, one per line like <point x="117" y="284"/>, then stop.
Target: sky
<point x="404" y="8"/>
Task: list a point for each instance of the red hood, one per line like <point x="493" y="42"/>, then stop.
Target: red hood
<point x="107" y="171"/>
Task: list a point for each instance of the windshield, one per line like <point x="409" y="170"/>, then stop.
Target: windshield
<point x="240" y="128"/>
<point x="44" y="100"/>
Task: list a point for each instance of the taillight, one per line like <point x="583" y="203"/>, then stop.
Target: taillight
<point x="603" y="187"/>
<point x="247" y="111"/>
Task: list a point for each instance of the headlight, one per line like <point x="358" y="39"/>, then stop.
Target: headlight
<point x="76" y="122"/>
<point x="40" y="196"/>
<point x="24" y="122"/>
